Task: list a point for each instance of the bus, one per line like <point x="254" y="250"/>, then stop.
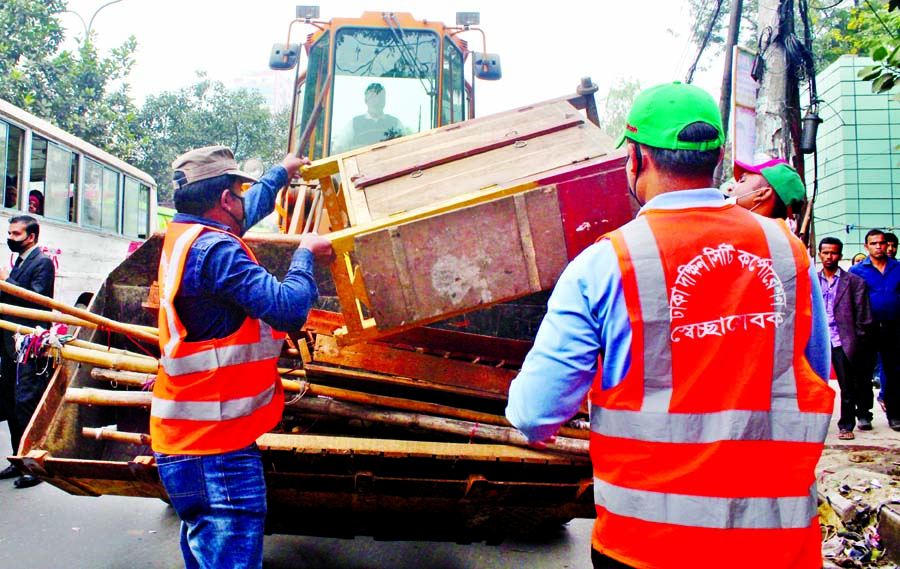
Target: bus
<point x="93" y="208"/>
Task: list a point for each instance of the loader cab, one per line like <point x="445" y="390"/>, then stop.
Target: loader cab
<point x="382" y="76"/>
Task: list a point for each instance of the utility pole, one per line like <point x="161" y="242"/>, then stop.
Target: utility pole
<point x="734" y="31"/>
<point x="777" y="108"/>
<point x="778" y="101"/>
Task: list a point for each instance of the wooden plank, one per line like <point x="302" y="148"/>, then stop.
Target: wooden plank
<point x="354" y="200"/>
<point x="499" y="166"/>
<point x="321" y="373"/>
<point x="314" y="444"/>
<point x="489" y="381"/>
<point x="462" y="343"/>
<point x="463" y="259"/>
<point x="464" y="139"/>
<point x="464" y="148"/>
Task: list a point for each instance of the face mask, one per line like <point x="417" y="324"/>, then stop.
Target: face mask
<point x="16" y="246"/>
<point x="242" y="222"/>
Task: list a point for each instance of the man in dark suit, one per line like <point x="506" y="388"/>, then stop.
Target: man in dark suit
<point x="23" y="383"/>
<point x="849" y="317"/>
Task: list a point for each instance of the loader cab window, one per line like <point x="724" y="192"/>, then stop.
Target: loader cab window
<point x="385" y="85"/>
<point x="452" y="84"/>
<point x="316" y="73"/>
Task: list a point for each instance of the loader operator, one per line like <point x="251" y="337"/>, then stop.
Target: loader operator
<point x="222" y="319"/>
<point x="711" y="408"/>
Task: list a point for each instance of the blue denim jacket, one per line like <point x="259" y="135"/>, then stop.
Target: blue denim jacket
<point x="221" y="285"/>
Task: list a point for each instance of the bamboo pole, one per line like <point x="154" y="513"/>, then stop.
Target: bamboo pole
<point x="13" y="327"/>
<point x="420" y="407"/>
<point x="323" y="406"/>
<point x="111" y="434"/>
<point x="139" y="380"/>
<point x="494" y="433"/>
<point x="108" y="360"/>
<point x="59" y="317"/>
<point x="139" y="332"/>
<point x="91" y="396"/>
<point x="127" y="378"/>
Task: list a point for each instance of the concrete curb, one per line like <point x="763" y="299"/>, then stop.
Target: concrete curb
<point x="889" y="530"/>
<point x="888" y="518"/>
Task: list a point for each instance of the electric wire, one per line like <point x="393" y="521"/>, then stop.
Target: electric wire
<point x="880" y="21"/>
<point x="692" y="37"/>
<point x="712" y="23"/>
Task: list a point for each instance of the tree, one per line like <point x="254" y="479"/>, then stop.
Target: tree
<point x="711" y="19"/>
<point x="204" y="114"/>
<point x="29" y="31"/>
<point x="854" y="30"/>
<point x="882" y="38"/>
<point x="79" y="91"/>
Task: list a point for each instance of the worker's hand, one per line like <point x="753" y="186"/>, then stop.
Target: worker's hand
<point x="4" y="273"/>
<point x="541" y="445"/>
<point x="292" y="164"/>
<point x="318" y="246"/>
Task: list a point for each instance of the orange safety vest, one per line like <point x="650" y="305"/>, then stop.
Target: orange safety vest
<point x="217" y="395"/>
<point x="708" y="446"/>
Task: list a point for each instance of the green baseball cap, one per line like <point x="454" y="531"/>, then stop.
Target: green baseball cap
<point x="783" y="178"/>
<point x="659" y="114"/>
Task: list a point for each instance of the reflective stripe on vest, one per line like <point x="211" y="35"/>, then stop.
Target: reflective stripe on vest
<point x="703" y="511"/>
<point x="212" y="410"/>
<point x="179" y="250"/>
<point x="267" y="348"/>
<point x="730" y="425"/>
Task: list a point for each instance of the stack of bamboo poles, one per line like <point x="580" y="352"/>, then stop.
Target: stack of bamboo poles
<point x="130" y="369"/>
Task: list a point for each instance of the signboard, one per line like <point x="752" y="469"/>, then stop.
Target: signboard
<point x="743" y="105"/>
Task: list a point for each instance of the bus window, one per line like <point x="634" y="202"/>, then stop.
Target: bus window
<point x="91" y="188"/>
<point x="59" y="187"/>
<point x="110" y="208"/>
<point x="4" y="144"/>
<point x="135" y="209"/>
<point x="101" y="196"/>
<point x="37" y="179"/>
<point x="10" y="151"/>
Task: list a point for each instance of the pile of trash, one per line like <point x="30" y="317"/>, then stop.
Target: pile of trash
<point x="851" y="499"/>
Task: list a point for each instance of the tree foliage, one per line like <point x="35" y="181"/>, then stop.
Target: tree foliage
<point x="204" y="114"/>
<point x="836" y="28"/>
<point x="616" y="104"/>
<point x="703" y="13"/>
<point x="853" y="29"/>
<point x="885" y="49"/>
<point x="79" y="91"/>
<point x="87" y="94"/>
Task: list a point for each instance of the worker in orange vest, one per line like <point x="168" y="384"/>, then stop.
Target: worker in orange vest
<point x="222" y="321"/>
<point x="711" y="408"/>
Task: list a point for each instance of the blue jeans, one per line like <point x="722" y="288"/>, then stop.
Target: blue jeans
<point x="221" y="500"/>
<point x="879" y="371"/>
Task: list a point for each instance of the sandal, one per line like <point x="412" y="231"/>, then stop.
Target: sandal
<point x="846" y="435"/>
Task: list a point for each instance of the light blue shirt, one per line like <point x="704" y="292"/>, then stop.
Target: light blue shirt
<point x="587" y="317"/>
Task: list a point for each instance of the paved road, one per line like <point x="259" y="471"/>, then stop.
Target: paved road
<point x="45" y="528"/>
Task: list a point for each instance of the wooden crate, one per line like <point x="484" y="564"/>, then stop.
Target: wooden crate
<point x="458" y="218"/>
